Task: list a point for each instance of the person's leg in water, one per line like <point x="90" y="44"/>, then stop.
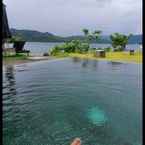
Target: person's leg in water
<point x="76" y="141"/>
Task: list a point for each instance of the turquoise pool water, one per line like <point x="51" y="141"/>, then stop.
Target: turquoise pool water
<point x="52" y="102"/>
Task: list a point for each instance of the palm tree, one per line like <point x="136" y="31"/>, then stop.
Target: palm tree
<point x="86" y="32"/>
<point x="96" y="33"/>
<point x="87" y="35"/>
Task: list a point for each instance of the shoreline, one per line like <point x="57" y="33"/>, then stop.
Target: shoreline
<point x="115" y="57"/>
<point x="15" y="61"/>
<point x="122" y="57"/>
<point x="11" y="61"/>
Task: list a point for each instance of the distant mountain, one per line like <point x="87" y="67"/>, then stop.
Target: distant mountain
<point x="136" y="39"/>
<point x="36" y="36"/>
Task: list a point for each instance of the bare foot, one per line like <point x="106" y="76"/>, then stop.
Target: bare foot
<point x="76" y="141"/>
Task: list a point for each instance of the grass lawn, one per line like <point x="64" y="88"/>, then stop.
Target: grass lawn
<point x="113" y="56"/>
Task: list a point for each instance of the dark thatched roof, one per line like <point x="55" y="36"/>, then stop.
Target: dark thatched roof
<point x="5" y="26"/>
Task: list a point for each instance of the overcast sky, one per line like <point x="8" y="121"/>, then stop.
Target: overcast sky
<point x="68" y="17"/>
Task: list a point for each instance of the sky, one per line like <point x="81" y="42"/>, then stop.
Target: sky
<point x="69" y="17"/>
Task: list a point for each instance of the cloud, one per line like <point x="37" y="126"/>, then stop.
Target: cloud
<point x="68" y="17"/>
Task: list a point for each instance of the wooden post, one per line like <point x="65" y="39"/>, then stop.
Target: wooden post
<point x="131" y="52"/>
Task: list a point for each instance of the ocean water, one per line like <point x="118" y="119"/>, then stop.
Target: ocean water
<point x="52" y="102"/>
<point x="40" y="48"/>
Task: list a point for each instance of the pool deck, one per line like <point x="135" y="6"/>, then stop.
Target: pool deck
<point x="13" y="61"/>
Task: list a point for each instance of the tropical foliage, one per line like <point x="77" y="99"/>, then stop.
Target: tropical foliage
<point x="108" y="49"/>
<point x="91" y="36"/>
<point x="119" y="41"/>
<point x="14" y="39"/>
<point x="69" y="47"/>
<point x="96" y="34"/>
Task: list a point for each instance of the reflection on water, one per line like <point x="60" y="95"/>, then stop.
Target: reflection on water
<point x="9" y="102"/>
<point x="52" y="103"/>
<point x="95" y="63"/>
<point x="85" y="62"/>
<point x="10" y="79"/>
<point x="116" y="65"/>
<point x="113" y="63"/>
<point x="76" y="59"/>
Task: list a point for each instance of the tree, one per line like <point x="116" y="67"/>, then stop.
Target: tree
<point x="119" y="41"/>
<point x="86" y="32"/>
<point x="96" y="34"/>
<point x="87" y="35"/>
<point x="90" y="36"/>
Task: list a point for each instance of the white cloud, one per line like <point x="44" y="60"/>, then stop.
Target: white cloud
<point x="67" y="17"/>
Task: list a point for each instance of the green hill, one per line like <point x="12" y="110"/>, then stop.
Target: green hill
<point x="36" y="36"/>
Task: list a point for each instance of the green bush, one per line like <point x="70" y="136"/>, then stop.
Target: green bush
<point x="108" y="49"/>
<point x="14" y="39"/>
<point x="71" y="47"/>
<point x="118" y="48"/>
<point x="98" y="48"/>
<point x="84" y="47"/>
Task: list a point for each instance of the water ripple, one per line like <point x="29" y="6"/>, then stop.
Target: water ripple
<point x="49" y="103"/>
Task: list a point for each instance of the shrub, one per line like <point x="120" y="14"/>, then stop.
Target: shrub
<point x="108" y="49"/>
<point x="55" y="50"/>
<point x="98" y="48"/>
<point x="119" y="41"/>
<point x="118" y="48"/>
<point x="15" y="39"/>
<point x="84" y="47"/>
<point x="71" y="47"/>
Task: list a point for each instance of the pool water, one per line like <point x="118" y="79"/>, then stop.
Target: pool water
<point x="97" y="116"/>
<point x="52" y="102"/>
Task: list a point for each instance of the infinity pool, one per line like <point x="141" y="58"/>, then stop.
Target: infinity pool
<point x="52" y="102"/>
